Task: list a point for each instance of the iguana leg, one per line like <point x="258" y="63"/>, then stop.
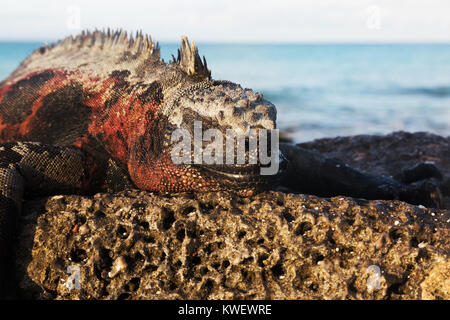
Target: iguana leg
<point x="309" y="172"/>
<point x="33" y="169"/>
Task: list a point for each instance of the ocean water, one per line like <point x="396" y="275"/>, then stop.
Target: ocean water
<point x="327" y="90"/>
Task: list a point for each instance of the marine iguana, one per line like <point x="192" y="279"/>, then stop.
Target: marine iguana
<point x="95" y="113"/>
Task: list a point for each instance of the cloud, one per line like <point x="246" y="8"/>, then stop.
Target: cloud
<point x="235" y="20"/>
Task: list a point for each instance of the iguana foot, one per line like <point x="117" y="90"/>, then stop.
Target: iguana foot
<point x="419" y="189"/>
<point x="426" y="193"/>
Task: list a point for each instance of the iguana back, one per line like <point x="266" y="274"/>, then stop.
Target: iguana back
<point x="96" y="87"/>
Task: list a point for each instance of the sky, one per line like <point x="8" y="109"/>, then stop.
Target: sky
<point x="225" y="21"/>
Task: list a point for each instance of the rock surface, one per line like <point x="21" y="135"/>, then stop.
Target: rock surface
<point x="274" y="245"/>
<point x="389" y="155"/>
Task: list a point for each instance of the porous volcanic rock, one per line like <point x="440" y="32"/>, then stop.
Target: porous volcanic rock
<point x="274" y="245"/>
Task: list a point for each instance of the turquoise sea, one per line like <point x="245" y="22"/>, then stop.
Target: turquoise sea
<point x="327" y="90"/>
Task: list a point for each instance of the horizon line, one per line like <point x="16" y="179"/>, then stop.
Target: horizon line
<point x="240" y="42"/>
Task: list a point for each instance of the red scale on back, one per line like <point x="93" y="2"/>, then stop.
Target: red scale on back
<point x="114" y="126"/>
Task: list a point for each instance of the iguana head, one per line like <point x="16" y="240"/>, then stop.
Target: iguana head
<point x="205" y="126"/>
<point x="209" y="136"/>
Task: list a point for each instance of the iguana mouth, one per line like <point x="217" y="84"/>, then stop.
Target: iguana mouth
<point x="234" y="172"/>
<point x="242" y="176"/>
<point x="238" y="177"/>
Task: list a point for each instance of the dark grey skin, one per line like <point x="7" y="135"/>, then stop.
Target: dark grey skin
<point x="45" y="162"/>
<point x="309" y="172"/>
